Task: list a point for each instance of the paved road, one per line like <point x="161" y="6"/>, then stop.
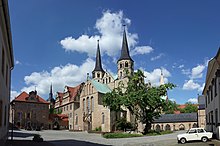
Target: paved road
<point x="59" y="138"/>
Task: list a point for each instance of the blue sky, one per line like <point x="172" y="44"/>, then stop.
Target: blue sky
<point x="55" y="41"/>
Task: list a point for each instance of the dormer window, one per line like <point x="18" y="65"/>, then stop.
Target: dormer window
<point x="98" y="75"/>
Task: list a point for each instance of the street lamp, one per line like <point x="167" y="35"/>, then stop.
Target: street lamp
<point x="12" y="118"/>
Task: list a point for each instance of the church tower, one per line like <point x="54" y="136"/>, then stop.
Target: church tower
<point x="51" y="99"/>
<point x="98" y="71"/>
<point x="162" y="83"/>
<point x="125" y="63"/>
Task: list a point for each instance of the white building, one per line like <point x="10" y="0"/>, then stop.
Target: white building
<point x="6" y="65"/>
<point x="211" y="92"/>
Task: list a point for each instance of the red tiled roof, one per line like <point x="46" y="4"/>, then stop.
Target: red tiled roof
<point x="23" y="97"/>
<point x="73" y="90"/>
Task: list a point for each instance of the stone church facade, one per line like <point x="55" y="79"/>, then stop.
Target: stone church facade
<point x="92" y="114"/>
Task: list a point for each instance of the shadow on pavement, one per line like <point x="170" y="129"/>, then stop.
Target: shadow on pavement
<point x="74" y="142"/>
<point x="21" y="135"/>
<point x="27" y="143"/>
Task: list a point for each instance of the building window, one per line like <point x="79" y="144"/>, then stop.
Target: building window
<point x="208" y="96"/>
<point x="103" y="81"/>
<point x="67" y="107"/>
<point x="126" y="64"/>
<point x="109" y="79"/>
<point x="88" y="104"/>
<point x="6" y="78"/>
<point x="120" y="65"/>
<point x="106" y="80"/>
<point x="3" y="61"/>
<point x="210" y="88"/>
<point x="103" y="118"/>
<point x="70" y="106"/>
<point x="92" y="101"/>
<point x="5" y="117"/>
<point x="216" y="117"/>
<point x="98" y="75"/>
<point x="215" y="86"/>
<point x="28" y="115"/>
<point x="84" y="105"/>
<point x="206" y="100"/>
<point x="70" y="115"/>
<point x="120" y="75"/>
<point x="76" y="122"/>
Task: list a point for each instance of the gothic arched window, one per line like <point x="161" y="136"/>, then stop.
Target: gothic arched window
<point x="126" y="64"/>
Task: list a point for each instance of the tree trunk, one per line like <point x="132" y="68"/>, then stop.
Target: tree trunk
<point x="147" y="128"/>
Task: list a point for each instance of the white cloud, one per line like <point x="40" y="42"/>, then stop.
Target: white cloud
<point x="181" y="66"/>
<point x="17" y="62"/>
<point x="60" y="76"/>
<point x="157" y="57"/>
<point x="13" y="95"/>
<point x="141" y="50"/>
<point x="186" y="71"/>
<point x="197" y="72"/>
<point x="191" y="85"/>
<point x="110" y="28"/>
<point x="172" y="99"/>
<point x="201" y="87"/>
<point x="110" y="34"/>
<point x="154" y="76"/>
<point x="193" y="100"/>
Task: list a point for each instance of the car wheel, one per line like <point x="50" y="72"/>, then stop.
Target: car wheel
<point x="204" y="139"/>
<point x="182" y="140"/>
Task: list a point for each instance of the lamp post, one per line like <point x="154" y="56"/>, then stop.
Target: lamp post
<point x="12" y="119"/>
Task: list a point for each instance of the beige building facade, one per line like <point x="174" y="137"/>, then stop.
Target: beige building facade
<point x="6" y="65"/>
<point x="211" y="92"/>
<point x="67" y="102"/>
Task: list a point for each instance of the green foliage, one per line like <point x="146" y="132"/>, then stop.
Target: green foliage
<point x="51" y="111"/>
<point x="121" y="135"/>
<point x="190" y="108"/>
<point x="57" y="111"/>
<point x="122" y="124"/>
<point x="170" y="107"/>
<point x="142" y="100"/>
<point x="155" y="133"/>
<point x="98" y="128"/>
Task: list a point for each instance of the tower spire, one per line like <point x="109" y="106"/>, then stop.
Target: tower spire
<point x="98" y="71"/>
<point x="124" y="49"/>
<point x="98" y="64"/>
<point x="161" y="78"/>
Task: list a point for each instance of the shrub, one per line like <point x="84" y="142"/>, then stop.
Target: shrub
<point x="121" y="135"/>
<point x="98" y="128"/>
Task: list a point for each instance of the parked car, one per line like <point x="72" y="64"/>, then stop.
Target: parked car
<point x="194" y="134"/>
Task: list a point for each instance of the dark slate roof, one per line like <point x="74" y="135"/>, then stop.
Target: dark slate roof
<point x="201" y="106"/>
<point x="98" y="64"/>
<point x="171" y="118"/>
<point x="124" y="49"/>
<point x="51" y="99"/>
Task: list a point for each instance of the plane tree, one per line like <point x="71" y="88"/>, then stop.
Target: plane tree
<point x="143" y="100"/>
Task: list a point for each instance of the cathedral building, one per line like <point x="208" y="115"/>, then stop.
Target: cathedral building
<point x="92" y="114"/>
<point x="87" y="112"/>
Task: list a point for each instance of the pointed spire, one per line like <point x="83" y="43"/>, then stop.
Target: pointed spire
<point x="161" y="78"/>
<point x="124" y="49"/>
<point x="98" y="64"/>
<point x="50" y="99"/>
